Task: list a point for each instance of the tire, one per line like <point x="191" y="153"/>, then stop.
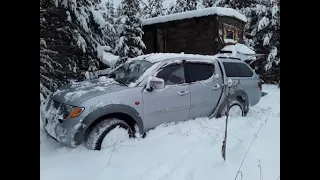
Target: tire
<point x="101" y="131"/>
<point x="234" y="104"/>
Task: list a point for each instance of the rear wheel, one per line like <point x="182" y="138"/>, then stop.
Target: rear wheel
<point x="108" y="133"/>
<point x="236" y="109"/>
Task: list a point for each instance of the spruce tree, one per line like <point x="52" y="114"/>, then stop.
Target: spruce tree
<point x="70" y="32"/>
<point x="153" y="8"/>
<point x="208" y="3"/>
<point x="130" y="43"/>
<point x="262" y="32"/>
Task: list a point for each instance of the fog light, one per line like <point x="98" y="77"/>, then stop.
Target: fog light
<point x="60" y="130"/>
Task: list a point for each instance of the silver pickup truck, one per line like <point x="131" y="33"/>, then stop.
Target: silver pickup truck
<point x="145" y="92"/>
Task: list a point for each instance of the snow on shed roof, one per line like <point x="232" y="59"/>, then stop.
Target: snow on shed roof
<point x="196" y="13"/>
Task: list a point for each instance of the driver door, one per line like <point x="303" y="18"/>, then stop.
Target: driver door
<point x="170" y="104"/>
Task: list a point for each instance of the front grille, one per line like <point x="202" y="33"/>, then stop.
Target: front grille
<point x="54" y="111"/>
<point x="49" y="104"/>
<point x="56" y="104"/>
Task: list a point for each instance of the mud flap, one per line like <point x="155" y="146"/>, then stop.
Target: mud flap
<point x="263" y="94"/>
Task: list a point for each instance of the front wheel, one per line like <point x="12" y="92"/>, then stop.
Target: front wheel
<point x="108" y="133"/>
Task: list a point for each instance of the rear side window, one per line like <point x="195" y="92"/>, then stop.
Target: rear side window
<point x="237" y="69"/>
<point x="231" y="69"/>
<point x="199" y="71"/>
<point x="244" y="70"/>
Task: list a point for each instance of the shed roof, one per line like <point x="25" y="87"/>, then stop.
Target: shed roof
<point x="196" y="13"/>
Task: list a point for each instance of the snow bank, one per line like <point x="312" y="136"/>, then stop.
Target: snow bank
<point x="185" y="151"/>
<point x="196" y="13"/>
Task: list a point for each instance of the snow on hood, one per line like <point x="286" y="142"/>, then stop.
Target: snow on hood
<point x="76" y="93"/>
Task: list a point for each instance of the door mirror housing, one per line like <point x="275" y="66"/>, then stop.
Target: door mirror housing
<point x="154" y="83"/>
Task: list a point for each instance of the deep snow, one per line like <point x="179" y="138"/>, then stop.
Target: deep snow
<point x="185" y="151"/>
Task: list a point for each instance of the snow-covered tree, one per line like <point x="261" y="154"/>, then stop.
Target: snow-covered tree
<point x="129" y="28"/>
<point x="180" y="6"/>
<point x="171" y="9"/>
<point x="110" y="8"/>
<point x="184" y="5"/>
<point x="119" y="11"/>
<point x="239" y="4"/>
<point x="262" y="32"/>
<point x="153" y="8"/>
<point x="70" y="32"/>
<point x="208" y="3"/>
<point x="192" y="4"/>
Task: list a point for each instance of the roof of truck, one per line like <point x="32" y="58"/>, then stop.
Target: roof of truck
<point x="157" y="57"/>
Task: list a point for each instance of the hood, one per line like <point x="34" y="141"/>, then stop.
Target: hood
<point x="76" y="93"/>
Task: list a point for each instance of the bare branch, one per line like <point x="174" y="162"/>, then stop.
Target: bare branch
<point x="113" y="149"/>
<point x="241" y="175"/>
<point x="260" y="167"/>
<point x="255" y="137"/>
<point x="229" y="89"/>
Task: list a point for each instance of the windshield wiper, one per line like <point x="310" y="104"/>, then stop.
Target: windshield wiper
<point x="121" y="83"/>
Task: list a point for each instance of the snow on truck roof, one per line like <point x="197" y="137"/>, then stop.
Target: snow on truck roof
<point x="196" y="13"/>
<point x="157" y="57"/>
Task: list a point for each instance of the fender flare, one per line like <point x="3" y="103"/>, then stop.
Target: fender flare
<point x="102" y="111"/>
<point x="240" y="93"/>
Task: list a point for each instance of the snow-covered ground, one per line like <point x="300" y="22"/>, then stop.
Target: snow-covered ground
<point x="186" y="151"/>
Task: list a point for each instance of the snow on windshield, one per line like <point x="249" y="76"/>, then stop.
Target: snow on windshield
<point x="130" y="72"/>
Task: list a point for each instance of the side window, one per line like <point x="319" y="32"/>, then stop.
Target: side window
<point x="231" y="69"/>
<point x="199" y="71"/>
<point x="244" y="70"/>
<point x="231" y="32"/>
<point x="172" y="74"/>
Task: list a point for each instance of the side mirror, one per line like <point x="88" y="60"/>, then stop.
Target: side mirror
<point x="154" y="83"/>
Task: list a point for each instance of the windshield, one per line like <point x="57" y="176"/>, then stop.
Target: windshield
<point x="130" y="72"/>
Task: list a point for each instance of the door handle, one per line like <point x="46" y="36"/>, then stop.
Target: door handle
<point x="182" y="93"/>
<point x="216" y="87"/>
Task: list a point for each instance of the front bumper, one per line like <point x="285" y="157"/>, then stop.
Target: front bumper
<point x="59" y="129"/>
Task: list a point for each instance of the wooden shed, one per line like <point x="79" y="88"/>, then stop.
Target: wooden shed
<point x="203" y="31"/>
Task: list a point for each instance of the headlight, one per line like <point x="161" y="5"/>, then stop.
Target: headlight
<point x="76" y="111"/>
<point x="71" y="111"/>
